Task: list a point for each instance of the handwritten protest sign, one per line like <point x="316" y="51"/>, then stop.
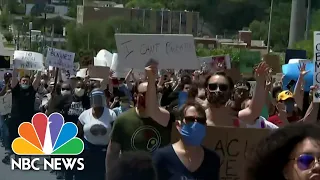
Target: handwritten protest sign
<point x="60" y="58"/>
<point x="215" y="63"/>
<point x="5" y="104"/>
<point x="233" y="146"/>
<point x="28" y="60"/>
<point x="316" y="75"/>
<point x="170" y="50"/>
<point x="252" y="87"/>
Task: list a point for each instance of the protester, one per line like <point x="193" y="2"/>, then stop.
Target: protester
<point x="293" y="152"/>
<point x="187" y="159"/>
<point x="125" y="104"/>
<point x="94" y="128"/>
<point x="218" y="91"/>
<point x="136" y="165"/>
<point x="23" y="98"/>
<point x="145" y="127"/>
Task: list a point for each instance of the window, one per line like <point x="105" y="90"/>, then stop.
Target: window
<point x="175" y="22"/>
<point x="158" y="21"/>
<point x="195" y="24"/>
<point x="165" y="26"/>
<point x="183" y="29"/>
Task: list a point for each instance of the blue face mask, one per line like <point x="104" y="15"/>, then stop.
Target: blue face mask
<point x="289" y="107"/>
<point x="193" y="133"/>
<point x="24" y="86"/>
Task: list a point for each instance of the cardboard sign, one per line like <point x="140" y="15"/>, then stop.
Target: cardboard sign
<point x="252" y="87"/>
<point x="28" y="60"/>
<point x="171" y="51"/>
<point x="122" y="72"/>
<point x="99" y="73"/>
<point x="6" y="104"/>
<point x="316" y="75"/>
<point x="60" y="58"/>
<point x="274" y="62"/>
<point x="232" y="144"/>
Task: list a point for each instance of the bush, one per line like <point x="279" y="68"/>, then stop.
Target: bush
<point x="8" y="36"/>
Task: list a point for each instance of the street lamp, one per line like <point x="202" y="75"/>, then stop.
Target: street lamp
<point x="269" y="28"/>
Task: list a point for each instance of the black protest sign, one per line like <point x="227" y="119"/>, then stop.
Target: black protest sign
<point x="4" y="61"/>
<point x="232" y="145"/>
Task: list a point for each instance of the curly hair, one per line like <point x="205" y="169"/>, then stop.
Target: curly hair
<point x="272" y="153"/>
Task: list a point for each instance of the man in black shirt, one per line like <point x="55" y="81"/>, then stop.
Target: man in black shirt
<point x="23" y="97"/>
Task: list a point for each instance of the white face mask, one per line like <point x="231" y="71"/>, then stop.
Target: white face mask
<point x="79" y="92"/>
<point x="65" y="92"/>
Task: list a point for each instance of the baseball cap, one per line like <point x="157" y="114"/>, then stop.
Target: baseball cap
<point x="284" y="95"/>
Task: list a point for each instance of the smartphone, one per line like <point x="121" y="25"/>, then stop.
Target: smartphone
<point x="291" y="84"/>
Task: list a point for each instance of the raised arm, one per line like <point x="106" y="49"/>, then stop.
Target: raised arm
<point x="250" y="114"/>
<point x="158" y="114"/>
<point x="36" y="81"/>
<point x="14" y="79"/>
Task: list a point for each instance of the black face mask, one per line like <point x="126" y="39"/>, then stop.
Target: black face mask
<point x="218" y="98"/>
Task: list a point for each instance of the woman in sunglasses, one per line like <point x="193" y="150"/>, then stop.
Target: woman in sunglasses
<point x="290" y="153"/>
<point x="187" y="159"/>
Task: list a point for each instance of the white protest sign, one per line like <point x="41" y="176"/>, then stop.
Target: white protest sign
<point x="316" y="57"/>
<point x="28" y="60"/>
<point x="6" y="104"/>
<point x="122" y="72"/>
<point x="103" y="58"/>
<point x="171" y="51"/>
<point x="60" y="58"/>
<point x="252" y="87"/>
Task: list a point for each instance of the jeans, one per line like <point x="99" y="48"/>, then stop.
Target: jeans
<point x="94" y="166"/>
<point x="4" y="132"/>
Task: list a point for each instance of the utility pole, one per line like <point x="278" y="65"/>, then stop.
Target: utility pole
<point x="308" y="20"/>
<point x="297" y="22"/>
<point x="269" y="29"/>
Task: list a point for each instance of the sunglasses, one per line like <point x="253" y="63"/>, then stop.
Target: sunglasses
<point x="306" y="161"/>
<point x="201" y="120"/>
<point x="65" y="89"/>
<point x="215" y="86"/>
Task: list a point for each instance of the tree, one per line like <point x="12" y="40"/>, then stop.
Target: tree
<point x="5" y="20"/>
<point x="144" y="4"/>
<point x="97" y="35"/>
<point x="8" y="36"/>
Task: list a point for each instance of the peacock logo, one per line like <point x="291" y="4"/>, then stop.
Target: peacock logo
<point x="47" y="136"/>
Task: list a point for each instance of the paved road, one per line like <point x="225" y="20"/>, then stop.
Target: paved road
<point x="7" y="174"/>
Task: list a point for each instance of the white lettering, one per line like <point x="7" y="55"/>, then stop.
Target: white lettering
<point x="80" y="162"/>
<point x="69" y="163"/>
<point x="57" y="164"/>
<point x="47" y="163"/>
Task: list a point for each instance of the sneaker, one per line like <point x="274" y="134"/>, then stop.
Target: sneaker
<point x="6" y="160"/>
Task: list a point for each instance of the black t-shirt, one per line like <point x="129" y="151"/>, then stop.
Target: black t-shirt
<point x="169" y="166"/>
<point x="69" y="106"/>
<point x="23" y="103"/>
<point x="73" y="106"/>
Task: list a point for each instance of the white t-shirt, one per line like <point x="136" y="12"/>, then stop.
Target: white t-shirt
<point x="262" y="123"/>
<point x="97" y="131"/>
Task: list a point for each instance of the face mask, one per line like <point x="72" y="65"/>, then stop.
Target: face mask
<point x="24" y="86"/>
<point x="65" y="92"/>
<point x="193" y="133"/>
<point x="289" y="107"/>
<point x="217" y="97"/>
<point x="79" y="92"/>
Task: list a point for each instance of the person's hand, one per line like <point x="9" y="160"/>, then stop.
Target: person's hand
<point x="116" y="99"/>
<point x="152" y="71"/>
<point x="111" y="73"/>
<point x="262" y="71"/>
<point x="302" y="69"/>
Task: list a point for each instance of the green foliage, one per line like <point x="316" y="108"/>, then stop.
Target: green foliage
<point x="96" y="35"/>
<point x="5" y="20"/>
<point x="8" y="36"/>
<point x="234" y="53"/>
<point x="145" y="4"/>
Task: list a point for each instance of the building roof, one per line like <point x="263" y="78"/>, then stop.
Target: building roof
<point x="49" y="16"/>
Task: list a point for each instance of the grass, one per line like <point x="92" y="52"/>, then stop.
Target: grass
<point x="8" y="45"/>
